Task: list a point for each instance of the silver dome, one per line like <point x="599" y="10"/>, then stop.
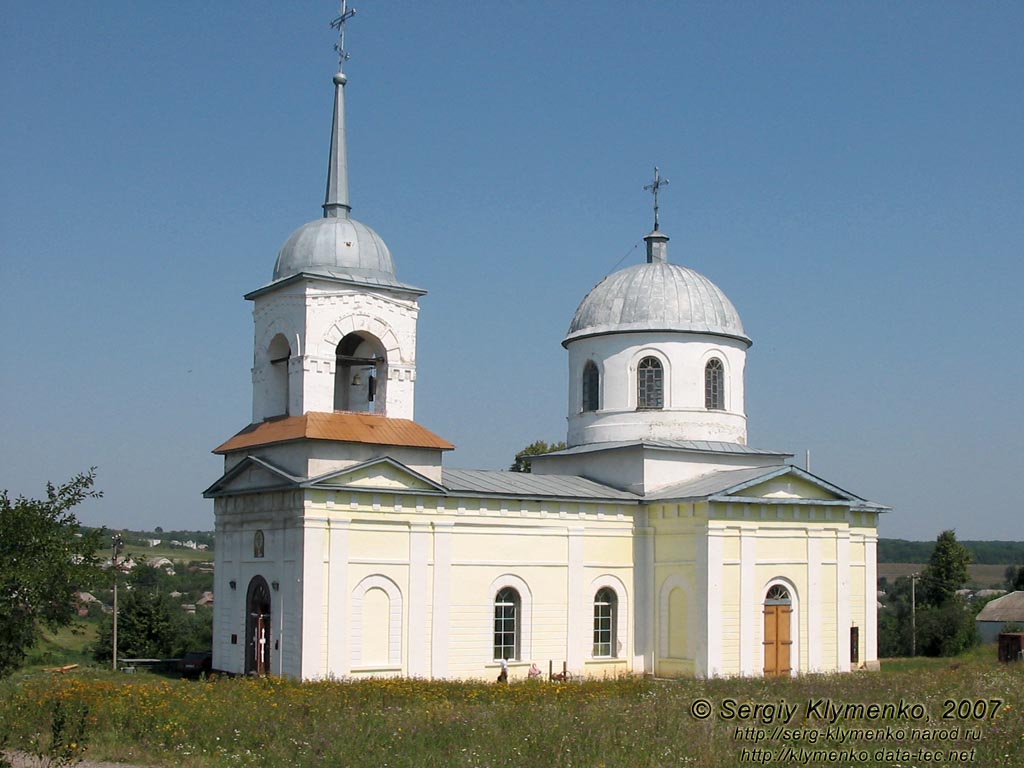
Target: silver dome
<point x="337" y="247"/>
<point x="657" y="296"/>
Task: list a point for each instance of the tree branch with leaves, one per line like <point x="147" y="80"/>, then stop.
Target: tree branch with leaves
<point x="536" y="448"/>
<point x="45" y="558"/>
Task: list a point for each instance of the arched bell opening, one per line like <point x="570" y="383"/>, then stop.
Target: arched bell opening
<point x="278" y="354"/>
<point x="360" y="383"/>
<point x="257" y="627"/>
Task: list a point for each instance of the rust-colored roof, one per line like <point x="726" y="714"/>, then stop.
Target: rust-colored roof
<point x="344" y="427"/>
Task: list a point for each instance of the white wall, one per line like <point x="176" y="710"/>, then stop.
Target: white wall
<point x="684" y="417"/>
<point x="313" y="316"/>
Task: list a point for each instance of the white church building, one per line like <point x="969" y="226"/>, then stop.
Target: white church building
<point x="658" y="542"/>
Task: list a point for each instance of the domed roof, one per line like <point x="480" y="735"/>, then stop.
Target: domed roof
<point x="337" y="247"/>
<point x="657" y="296"/>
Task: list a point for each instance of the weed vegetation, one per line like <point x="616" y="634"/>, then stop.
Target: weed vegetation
<point x="149" y="720"/>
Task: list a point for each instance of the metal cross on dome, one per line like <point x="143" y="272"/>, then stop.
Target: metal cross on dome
<point x="339" y="24"/>
<point x="653" y="188"/>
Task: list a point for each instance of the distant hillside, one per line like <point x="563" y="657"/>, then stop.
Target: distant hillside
<point x="186" y="540"/>
<point x="984" y="552"/>
<point x="889" y="550"/>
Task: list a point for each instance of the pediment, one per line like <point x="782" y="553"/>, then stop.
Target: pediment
<point x="789" y="487"/>
<point x="790" y="484"/>
<point x="378" y="474"/>
<point x="252" y="474"/>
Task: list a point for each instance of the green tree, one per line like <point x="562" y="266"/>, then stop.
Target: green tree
<point x="197" y="632"/>
<point x="1015" y="577"/>
<point x="946" y="571"/>
<point x="150" y="625"/>
<point x="894" y="620"/>
<point x="945" y="630"/>
<point x="45" y="557"/>
<point x="522" y="462"/>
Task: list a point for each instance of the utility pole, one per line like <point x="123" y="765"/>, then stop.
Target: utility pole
<point x="913" y="614"/>
<point x="118" y="543"/>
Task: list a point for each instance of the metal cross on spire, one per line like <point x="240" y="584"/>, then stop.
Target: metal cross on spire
<point x="339" y="24"/>
<point x="653" y="188"/>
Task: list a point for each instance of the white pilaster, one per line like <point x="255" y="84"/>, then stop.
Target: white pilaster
<point x="643" y="589"/>
<point x="750" y="612"/>
<point x="712" y="595"/>
<point x="289" y="553"/>
<point x="313" y="597"/>
<point x="442" y="603"/>
<point x="815" y="652"/>
<point x="338" y="604"/>
<point x="870" y="600"/>
<point x="419" y="590"/>
<point x="843" y="601"/>
<point x="242" y="585"/>
<point x="578" y="614"/>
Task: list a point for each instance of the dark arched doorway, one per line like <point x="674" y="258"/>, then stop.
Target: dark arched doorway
<point x="257" y="627"/>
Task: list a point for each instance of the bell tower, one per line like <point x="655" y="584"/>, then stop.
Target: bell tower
<point x="335" y="330"/>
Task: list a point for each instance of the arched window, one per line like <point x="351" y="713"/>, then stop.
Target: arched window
<point x="506" y="624"/>
<point x="591" y="386"/>
<point x="778" y="595"/>
<point x="650" y="385"/>
<point x="714" y="385"/>
<point x="257" y="544"/>
<point x="606" y="608"/>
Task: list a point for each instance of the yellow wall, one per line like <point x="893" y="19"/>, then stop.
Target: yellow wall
<point x="376" y="625"/>
<point x="491" y="538"/>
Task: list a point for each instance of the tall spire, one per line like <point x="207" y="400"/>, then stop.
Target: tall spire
<point x="336" y="204"/>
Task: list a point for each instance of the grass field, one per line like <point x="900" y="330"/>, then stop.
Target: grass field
<point x="981" y="576"/>
<point x="970" y="706"/>
<point x="68" y="645"/>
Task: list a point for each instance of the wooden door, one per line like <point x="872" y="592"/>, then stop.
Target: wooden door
<point x="778" y="640"/>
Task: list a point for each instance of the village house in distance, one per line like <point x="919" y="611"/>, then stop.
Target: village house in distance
<point x="658" y="542"/>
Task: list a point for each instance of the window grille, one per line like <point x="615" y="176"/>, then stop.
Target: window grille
<point x="591" y="385"/>
<point x="650" y="385"/>
<point x="605" y="610"/>
<point x="714" y="385"/>
<point x="778" y="595"/>
<point x="506" y="624"/>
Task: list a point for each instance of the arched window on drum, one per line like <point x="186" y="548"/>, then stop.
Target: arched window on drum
<point x="591" y="386"/>
<point x="714" y="385"/>
<point x="650" y="385"/>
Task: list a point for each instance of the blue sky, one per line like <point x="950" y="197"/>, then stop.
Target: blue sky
<point x="850" y="174"/>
